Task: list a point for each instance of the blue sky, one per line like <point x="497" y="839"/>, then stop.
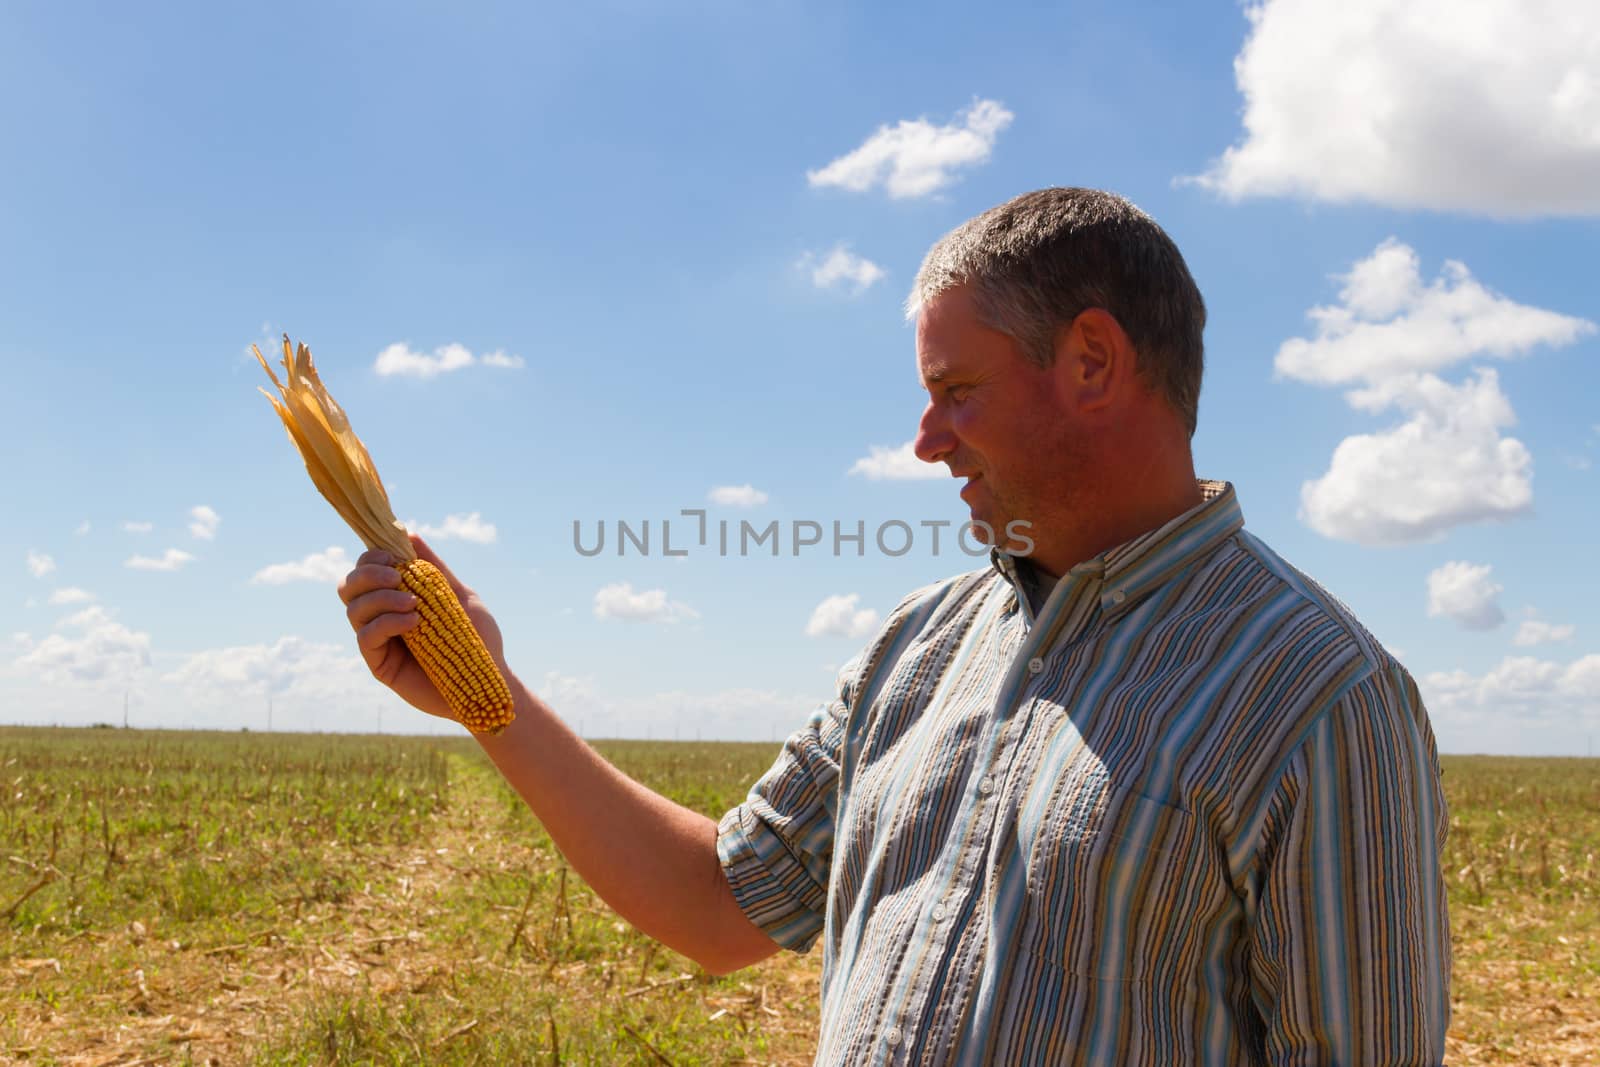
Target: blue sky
<point x="617" y="261"/>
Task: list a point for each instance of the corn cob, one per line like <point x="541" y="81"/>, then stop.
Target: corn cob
<point x="444" y="643"/>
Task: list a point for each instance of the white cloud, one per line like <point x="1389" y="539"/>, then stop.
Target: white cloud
<point x="1448" y="462"/>
<point x="89" y="648"/>
<point x="328" y="566"/>
<point x="137" y="527"/>
<point x="498" y="358"/>
<point x="1489" y="108"/>
<point x="40" y="564"/>
<point x="1519" y="686"/>
<point x="892" y="463"/>
<point x="841" y="267"/>
<point x="83" y="528"/>
<point x="914" y="157"/>
<point x="203" y="522"/>
<point x="1537" y="632"/>
<point x="402" y="360"/>
<point x="620" y="601"/>
<point x="1390" y="324"/>
<point x="838" y="616"/>
<point x="171" y="560"/>
<point x="291" y="665"/>
<point x="737" y="496"/>
<point x="1466" y="593"/>
<point x="1445" y="465"/>
<point x="457" y="528"/>
<point x="71" y="595"/>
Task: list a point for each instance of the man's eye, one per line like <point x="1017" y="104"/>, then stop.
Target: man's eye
<point x="957" y="393"/>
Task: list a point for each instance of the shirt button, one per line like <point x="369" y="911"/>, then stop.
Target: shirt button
<point x="938" y="913"/>
<point x="986" y="786"/>
<point x="1035" y="665"/>
<point x="1118" y="596"/>
<point x="892" y="1038"/>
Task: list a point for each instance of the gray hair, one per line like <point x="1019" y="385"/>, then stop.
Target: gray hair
<point x="1036" y="262"/>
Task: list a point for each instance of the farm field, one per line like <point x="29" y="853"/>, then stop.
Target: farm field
<point x="195" y="898"/>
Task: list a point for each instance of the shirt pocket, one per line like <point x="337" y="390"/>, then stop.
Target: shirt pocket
<point x="1111" y="882"/>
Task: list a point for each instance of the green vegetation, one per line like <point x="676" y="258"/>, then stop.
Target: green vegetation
<point x="289" y="899"/>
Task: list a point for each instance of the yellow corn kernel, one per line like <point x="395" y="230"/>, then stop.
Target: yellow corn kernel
<point x="452" y="654"/>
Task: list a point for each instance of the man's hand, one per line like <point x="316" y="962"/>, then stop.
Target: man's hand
<point x="380" y="611"/>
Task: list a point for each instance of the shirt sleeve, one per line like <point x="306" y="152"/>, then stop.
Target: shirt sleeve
<point x="1350" y="936"/>
<point x="777" y="847"/>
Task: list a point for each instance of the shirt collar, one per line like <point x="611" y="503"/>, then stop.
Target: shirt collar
<point x="1132" y="570"/>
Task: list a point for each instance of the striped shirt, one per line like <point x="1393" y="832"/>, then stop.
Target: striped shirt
<point x="1188" y="812"/>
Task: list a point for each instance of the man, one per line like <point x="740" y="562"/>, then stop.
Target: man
<point x="1142" y="795"/>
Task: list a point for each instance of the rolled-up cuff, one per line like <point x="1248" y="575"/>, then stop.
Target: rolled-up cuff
<point x="770" y="884"/>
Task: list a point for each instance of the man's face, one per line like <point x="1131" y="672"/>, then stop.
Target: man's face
<point x="993" y="418"/>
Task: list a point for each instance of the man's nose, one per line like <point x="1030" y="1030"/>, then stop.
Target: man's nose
<point x="934" y="440"/>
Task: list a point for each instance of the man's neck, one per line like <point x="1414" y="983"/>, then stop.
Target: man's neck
<point x="1117" y="524"/>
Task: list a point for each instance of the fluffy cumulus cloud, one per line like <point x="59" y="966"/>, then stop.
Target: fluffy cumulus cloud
<point x="840" y="268"/>
<point x="1390" y="323"/>
<point x="1524" y="687"/>
<point x="71" y="595"/>
<point x="40" y="564"/>
<point x="737" y="496"/>
<point x="401" y="360"/>
<point x="896" y="463"/>
<point x="328" y="566"/>
<point x="840" y="616"/>
<point x="203" y="523"/>
<point x="621" y="601"/>
<point x="170" y="560"/>
<point x="1445" y="465"/>
<point x="332" y="675"/>
<point x="88" y="648"/>
<point x="1467" y="593"/>
<point x="1538" y="632"/>
<point x="914" y="157"/>
<point x="1388" y="342"/>
<point x="1490" y="108"/>
<point x="470" y="527"/>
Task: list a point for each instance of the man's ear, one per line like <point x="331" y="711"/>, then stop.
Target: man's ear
<point x="1094" y="360"/>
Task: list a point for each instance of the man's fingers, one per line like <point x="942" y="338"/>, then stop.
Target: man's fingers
<point x="367" y="577"/>
<point x="369" y="606"/>
<point x="375" y="555"/>
<point x="376" y="634"/>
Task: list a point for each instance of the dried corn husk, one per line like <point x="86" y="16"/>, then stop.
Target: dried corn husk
<point x="335" y="457"/>
<point x="444" y="642"/>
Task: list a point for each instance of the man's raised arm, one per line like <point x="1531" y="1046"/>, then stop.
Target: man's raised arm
<point x="652" y="860"/>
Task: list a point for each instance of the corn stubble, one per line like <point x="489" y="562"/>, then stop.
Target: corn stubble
<point x="444" y="643"/>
